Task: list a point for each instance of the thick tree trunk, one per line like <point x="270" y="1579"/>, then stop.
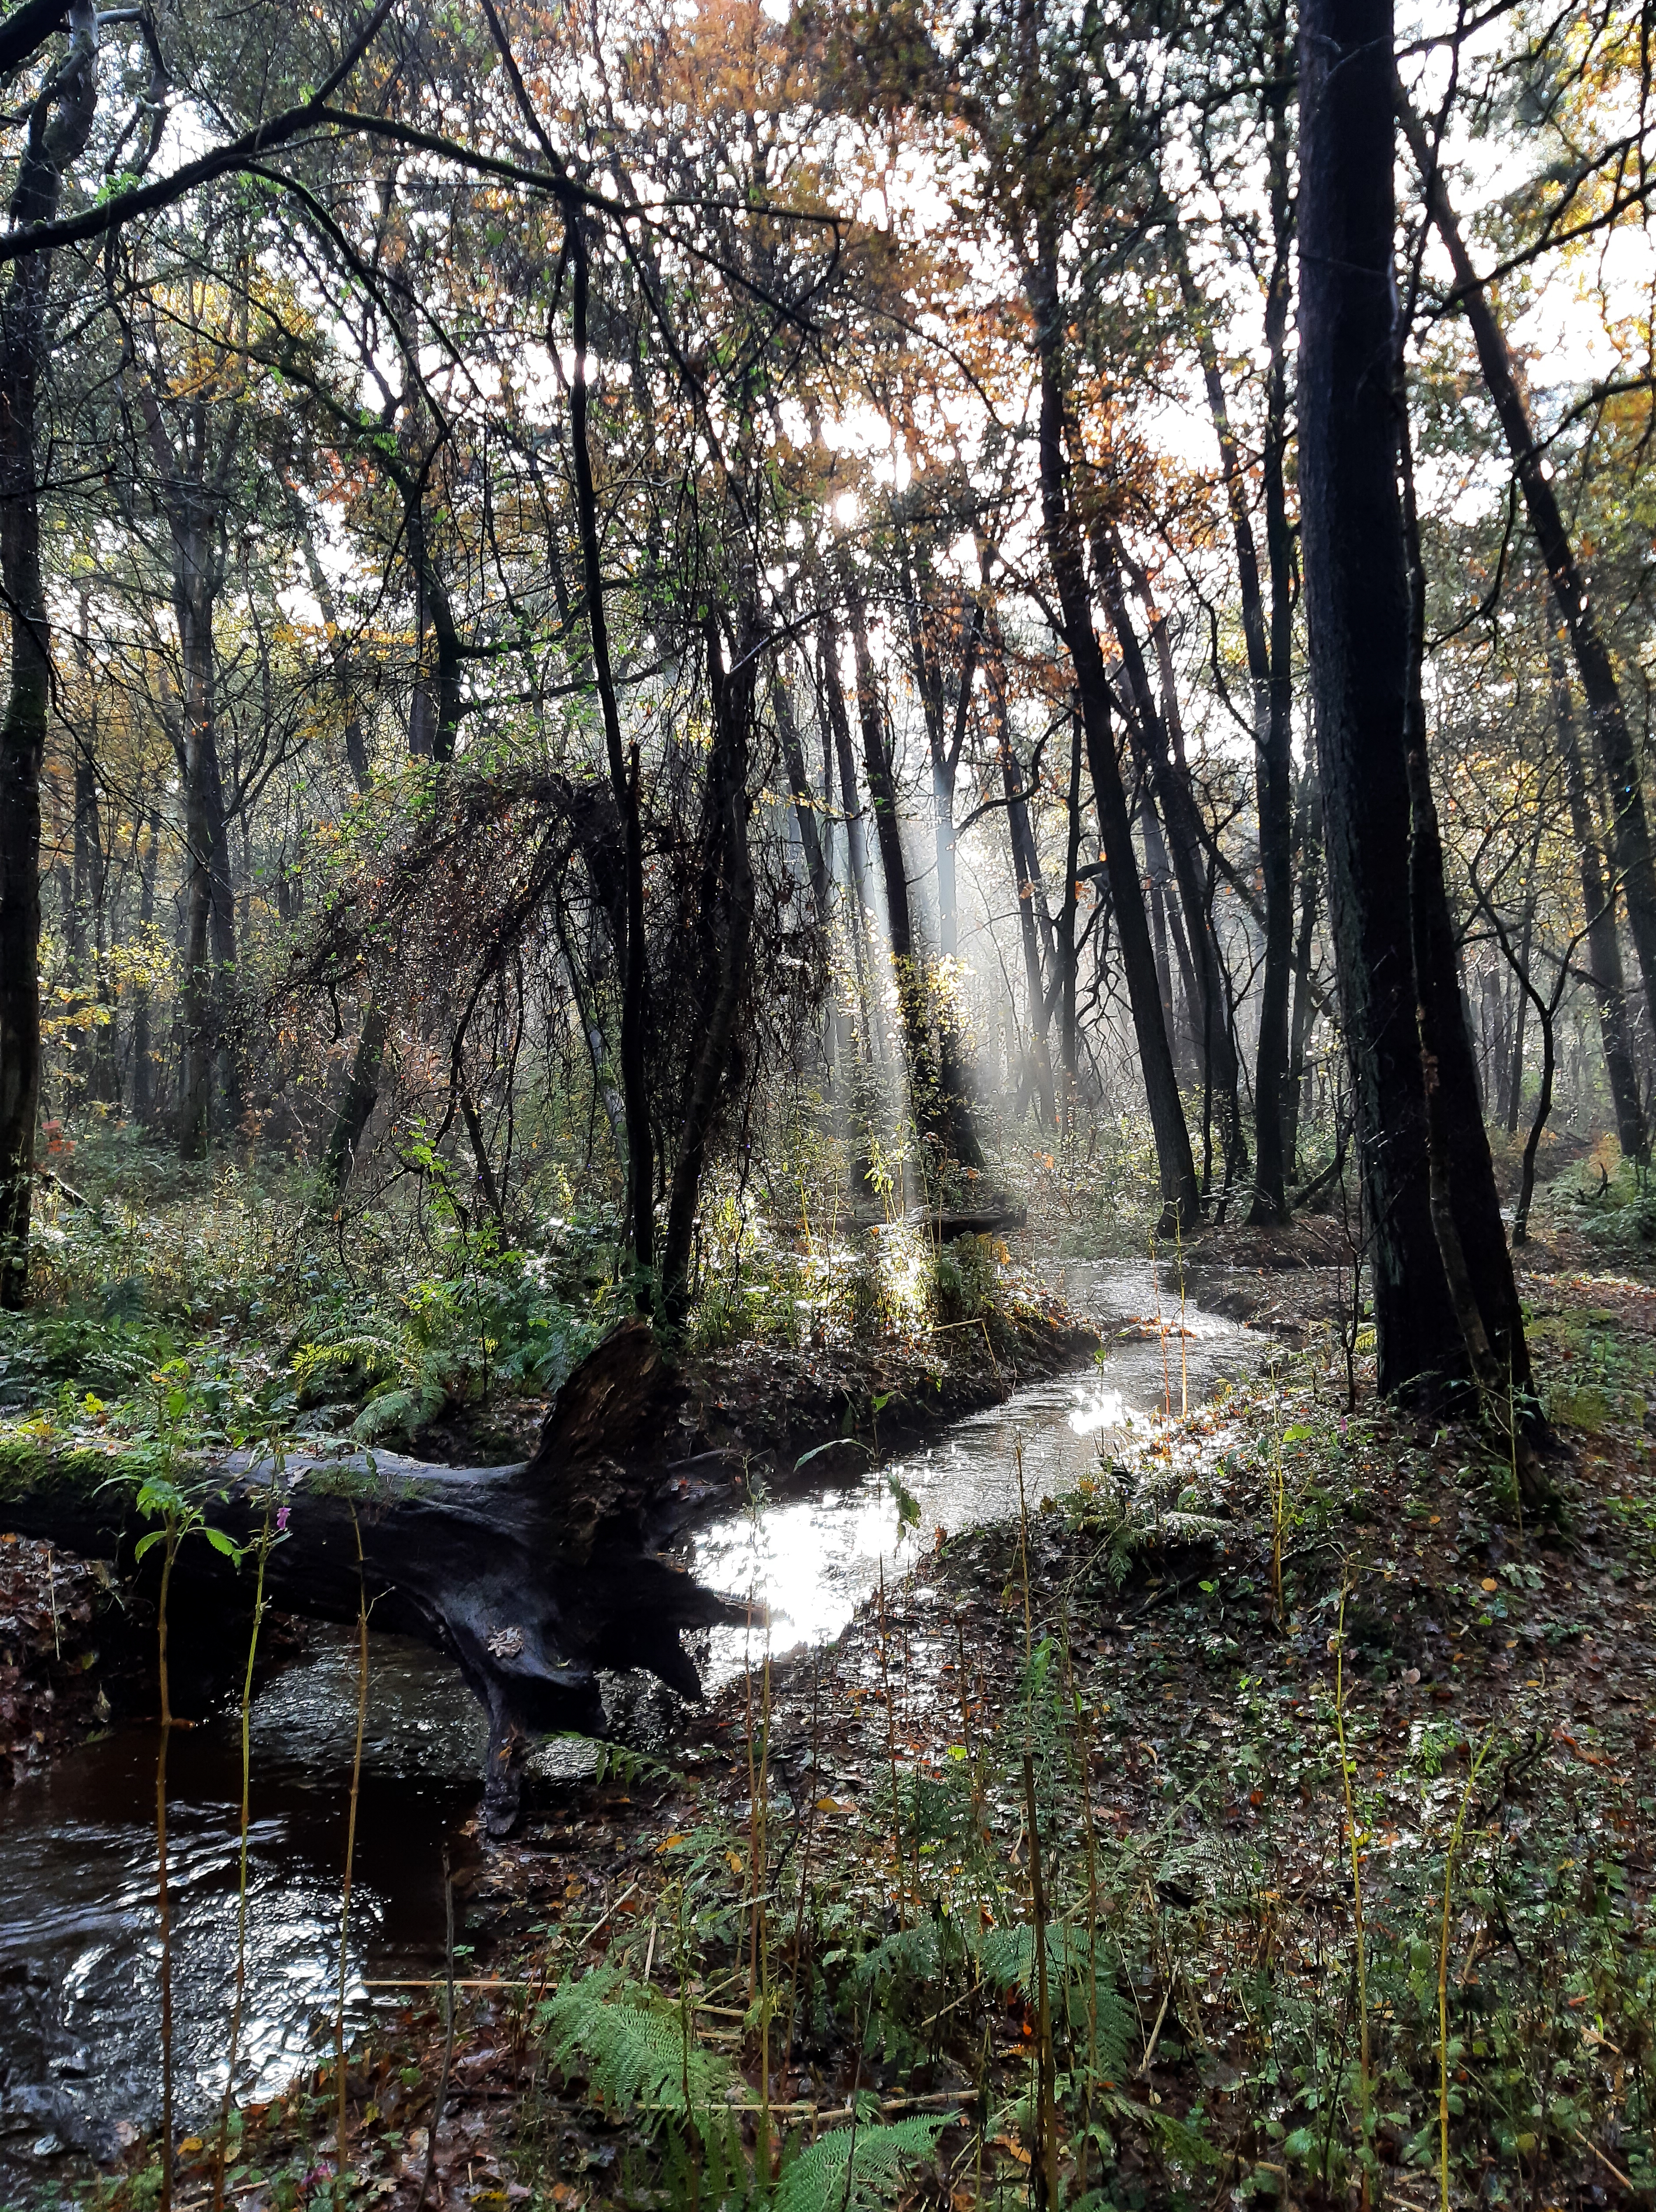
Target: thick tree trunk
<point x="531" y="1579"/>
<point x="1061" y="532"/>
<point x="57" y="132"/>
<point x="1358" y="604"/>
<point x="1629" y="824"/>
<point x="1603" y="940"/>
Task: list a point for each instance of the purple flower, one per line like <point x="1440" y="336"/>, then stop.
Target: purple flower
<point x="282" y="1513"/>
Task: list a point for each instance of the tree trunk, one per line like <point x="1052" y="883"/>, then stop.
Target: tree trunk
<point x="209" y="925"/>
<point x="1310" y="841"/>
<point x="623" y="783"/>
<point x="1358" y="604"/>
<point x="1515" y="1081"/>
<point x="1629" y="824"/>
<point x="1603" y="940"/>
<point x="726" y="905"/>
<point x="1061" y="534"/>
<point x="1270" y="669"/>
<point x="805" y="807"/>
<point x="937" y="1082"/>
<point x="1026" y="881"/>
<point x="57" y="132"/>
<point x="1161" y="750"/>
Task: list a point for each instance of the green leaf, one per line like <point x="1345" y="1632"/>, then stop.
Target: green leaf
<point x="834" y="1443"/>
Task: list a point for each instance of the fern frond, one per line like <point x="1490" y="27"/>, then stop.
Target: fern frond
<point x="388" y="1414"/>
<point x="376" y="1355"/>
<point x="910" y="1956"/>
<point x="1006" y="1958"/>
<point x="629" y="2042"/>
<point x="854" y="2167"/>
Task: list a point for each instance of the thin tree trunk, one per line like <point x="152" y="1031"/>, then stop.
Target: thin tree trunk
<point x="805" y="808"/>
<point x="1029" y="892"/>
<point x="1310" y="841"/>
<point x="1177" y="1168"/>
<point x="1603" y="939"/>
<point x="624" y="782"/>
<point x="727" y="903"/>
<point x="143" y="1061"/>
<point x="1160" y="754"/>
<point x="1629" y="824"/>
<point x="1515" y="1082"/>
<point x="1067" y="951"/>
<point x="937" y="1082"/>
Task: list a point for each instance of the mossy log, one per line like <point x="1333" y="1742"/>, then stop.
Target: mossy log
<point x="532" y="1577"/>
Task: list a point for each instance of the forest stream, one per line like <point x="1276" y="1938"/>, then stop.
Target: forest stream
<point x="79" y="2003"/>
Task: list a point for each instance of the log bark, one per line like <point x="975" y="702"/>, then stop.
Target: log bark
<point x="531" y="1577"/>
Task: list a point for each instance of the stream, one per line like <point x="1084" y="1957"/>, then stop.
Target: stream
<point x="79" y="1941"/>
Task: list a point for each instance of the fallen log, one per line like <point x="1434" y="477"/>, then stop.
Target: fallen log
<point x="994" y="1212"/>
<point x="532" y="1578"/>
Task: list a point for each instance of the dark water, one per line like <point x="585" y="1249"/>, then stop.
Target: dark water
<point x="80" y="2010"/>
<point x="79" y="1999"/>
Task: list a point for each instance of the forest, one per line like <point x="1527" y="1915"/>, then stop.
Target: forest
<point x="827" y="1071"/>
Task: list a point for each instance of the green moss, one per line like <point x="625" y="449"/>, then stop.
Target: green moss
<point x="33" y="1463"/>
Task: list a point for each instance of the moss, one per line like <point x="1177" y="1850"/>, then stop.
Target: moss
<point x="33" y="1463"/>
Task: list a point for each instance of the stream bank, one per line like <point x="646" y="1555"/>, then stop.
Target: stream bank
<point x="1189" y="1774"/>
<point x="75" y="1839"/>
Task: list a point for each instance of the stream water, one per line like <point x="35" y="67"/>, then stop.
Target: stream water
<point x="79" y="1943"/>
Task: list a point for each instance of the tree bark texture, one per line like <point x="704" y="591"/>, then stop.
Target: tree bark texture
<point x="57" y="131"/>
<point x="725" y="917"/>
<point x="1359" y="610"/>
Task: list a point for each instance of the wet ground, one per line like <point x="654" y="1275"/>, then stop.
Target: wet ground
<point x="79" y="1945"/>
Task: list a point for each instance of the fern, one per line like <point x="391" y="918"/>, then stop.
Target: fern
<point x="375" y="1355"/>
<point x="912" y="1956"/>
<point x="1006" y="1958"/>
<point x="630" y="2042"/>
<point x="855" y="2167"/>
<point x="400" y="1411"/>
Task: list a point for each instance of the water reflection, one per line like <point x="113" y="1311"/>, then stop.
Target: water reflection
<point x="79" y="2002"/>
<point x="814" y="1560"/>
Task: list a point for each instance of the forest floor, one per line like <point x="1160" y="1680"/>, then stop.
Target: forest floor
<point x="1287" y="1669"/>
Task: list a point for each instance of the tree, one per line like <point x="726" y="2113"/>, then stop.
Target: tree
<point x="60" y="119"/>
<point x="1438" y="1238"/>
